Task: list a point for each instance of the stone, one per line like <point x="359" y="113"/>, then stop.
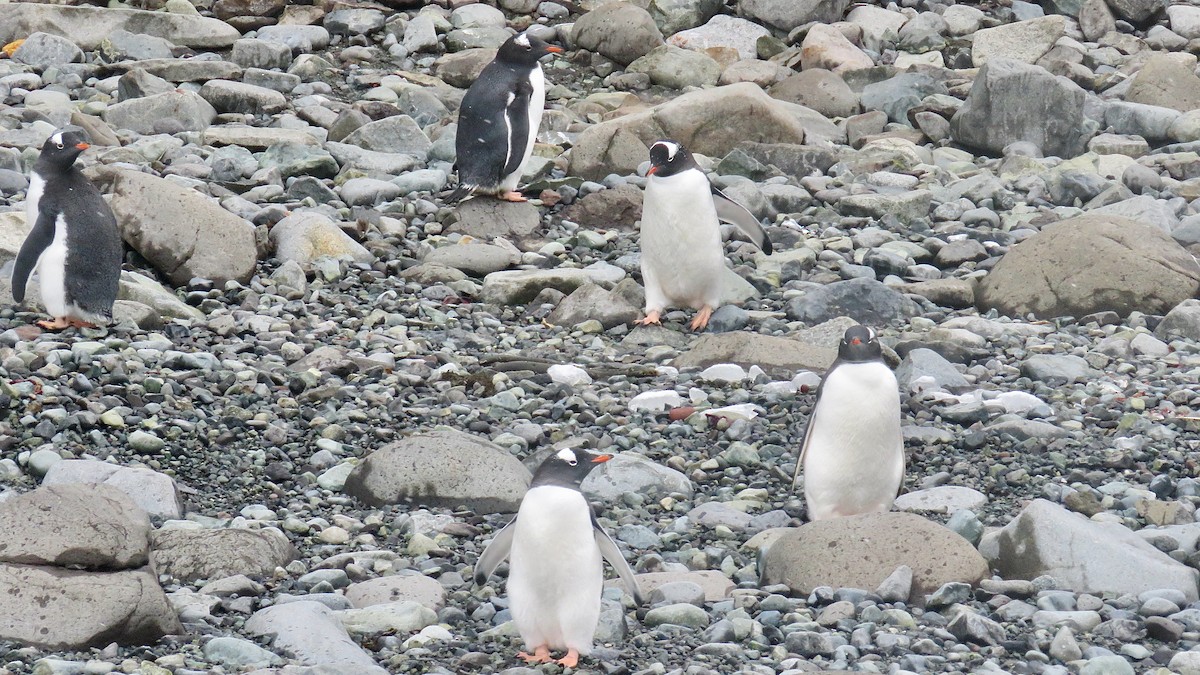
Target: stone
<point x="443" y="468"/>
<point x="941" y="499"/>
<point x="153" y="492"/>
<point x="976" y="628"/>
<point x="517" y="287"/>
<point x="1164" y="81"/>
<point x="240" y="97"/>
<point x="622" y="31"/>
<point x="301" y="39"/>
<point x="826" y="47"/>
<point x="44" y="50"/>
<point x="1183" y="321"/>
<point x="866" y="301"/>
<point x="1185" y="21"/>
<point x="404" y="616"/>
<point x="191" y="554"/>
<point x="899" y="94"/>
<point x="1084" y="556"/>
<point x="398" y="134"/>
<point x="59" y="609"/>
<point x="255" y="53"/>
<point x="354" y="21"/>
<point x="862" y="551"/>
<point x="1000" y="111"/>
<point x="721" y="31"/>
<point x="676" y="68"/>
<point x="777" y="356"/>
<point x="1095" y="19"/>
<point x="1151" y="122"/>
<point x="1137" y="11"/>
<point x="237" y="653"/>
<point x="306" y="236"/>
<point x="678" y="614"/>
<point x="759" y="161"/>
<point x="819" y="89"/>
<point x="714" y="586"/>
<point x="474" y="258"/>
<point x="1024" y="41"/>
<point x="93" y="527"/>
<point x="304" y="159"/>
<point x="906" y="206"/>
<point x="173" y="111"/>
<point x="397" y="587"/>
<point x="182" y="233"/>
<point x="590" y="301"/>
<point x="631" y="472"/>
<point x="1090" y="264"/>
<point x="879" y="26"/>
<point x="617" y="207"/>
<point x="786" y="15"/>
<point x="924" y="368"/>
<point x="311" y="634"/>
<point x="88" y="26"/>
<point x="460" y="69"/>
<point x="146" y="291"/>
<point x="486" y="219"/>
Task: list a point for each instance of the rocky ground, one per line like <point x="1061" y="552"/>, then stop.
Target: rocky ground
<point x="325" y="386"/>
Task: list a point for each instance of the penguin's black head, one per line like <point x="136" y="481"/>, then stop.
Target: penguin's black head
<point x="61" y="149"/>
<point x="524" y="49"/>
<point x="668" y="158"/>
<point x="567" y="468"/>
<point x="859" y="344"/>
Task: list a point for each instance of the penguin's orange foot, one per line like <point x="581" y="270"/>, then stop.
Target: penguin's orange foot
<point x="80" y="323"/>
<point x="540" y="655"/>
<point x="702" y="317"/>
<point x="651" y="319"/>
<point x="512" y="197"/>
<point x="58" y="323"/>
<point x="570" y="660"/>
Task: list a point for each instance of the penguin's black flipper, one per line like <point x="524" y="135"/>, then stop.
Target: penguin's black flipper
<point x="482" y="141"/>
<point x="739" y="216"/>
<point x="610" y="552"/>
<point x="517" y="114"/>
<point x="40" y="236"/>
<point x="495" y="553"/>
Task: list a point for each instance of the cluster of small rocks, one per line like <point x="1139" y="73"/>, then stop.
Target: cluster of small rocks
<point x="325" y="387"/>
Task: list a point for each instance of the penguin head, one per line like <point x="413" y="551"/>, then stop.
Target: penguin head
<point x="859" y="344"/>
<point x="668" y="158"/>
<point x="524" y="49"/>
<point x="567" y="467"/>
<point x="63" y="147"/>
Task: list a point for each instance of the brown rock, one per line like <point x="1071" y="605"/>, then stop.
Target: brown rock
<point x="617" y="207"/>
<point x="819" y="89"/>
<point x="462" y="68"/>
<point x="1165" y="81"/>
<point x="90" y="526"/>
<point x="188" y="555"/>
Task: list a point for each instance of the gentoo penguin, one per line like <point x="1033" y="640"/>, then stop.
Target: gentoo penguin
<point x="73" y="239"/>
<point x="499" y="118"/>
<point x="554" y="547"/>
<point x="682" y="258"/>
<point x="853" y="453"/>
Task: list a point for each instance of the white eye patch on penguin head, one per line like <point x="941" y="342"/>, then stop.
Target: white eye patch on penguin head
<point x="667" y="158"/>
<point x="567" y="455"/>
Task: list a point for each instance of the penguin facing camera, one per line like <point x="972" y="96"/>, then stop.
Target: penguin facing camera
<point x="73" y="240"/>
<point x="853" y="452"/>
<point x="683" y="262"/>
<point x="554" y="547"/>
<point x="499" y="118"/>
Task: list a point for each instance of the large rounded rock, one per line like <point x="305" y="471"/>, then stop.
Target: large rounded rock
<point x="87" y="27"/>
<point x="788" y="14"/>
<point x="188" y="554"/>
<point x="1091" y="264"/>
<point x="630" y="472"/>
<point x="862" y="551"/>
<point x="173" y="110"/>
<point x="619" y="30"/>
<point x="865" y="300"/>
<point x="676" y="67"/>
<point x="90" y="526"/>
<point x="443" y="468"/>
<point x="307" y="235"/>
<point x="819" y="89"/>
<point x="154" y="492"/>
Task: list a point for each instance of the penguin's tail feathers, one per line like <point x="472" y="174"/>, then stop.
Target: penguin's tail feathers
<point x="461" y="192"/>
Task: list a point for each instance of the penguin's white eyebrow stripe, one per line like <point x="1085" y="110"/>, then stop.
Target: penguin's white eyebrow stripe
<point x="57" y="138"/>
<point x="566" y="455"/>
<point x="522" y="40"/>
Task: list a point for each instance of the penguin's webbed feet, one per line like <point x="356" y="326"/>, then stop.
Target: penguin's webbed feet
<point x="570" y="660"/>
<point x="700" y="322"/>
<point x="58" y="323"/>
<point x="652" y="318"/>
<point x="539" y="655"/>
<point x="511" y="196"/>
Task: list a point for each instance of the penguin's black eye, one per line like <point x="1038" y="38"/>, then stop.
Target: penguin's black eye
<point x="60" y="145"/>
<point x="572" y="462"/>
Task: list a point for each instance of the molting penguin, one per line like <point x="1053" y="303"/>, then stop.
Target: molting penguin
<point x="683" y="262"/>
<point x="499" y="118"/>
<point x="554" y="546"/>
<point x="853" y="453"/>
<point x="73" y="239"/>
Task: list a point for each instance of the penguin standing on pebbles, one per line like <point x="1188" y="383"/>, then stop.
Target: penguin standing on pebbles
<point x="683" y="261"/>
<point x="73" y="240"/>
<point x="554" y="547"/>
<point x="499" y="118"/>
<point x="853" y="453"/>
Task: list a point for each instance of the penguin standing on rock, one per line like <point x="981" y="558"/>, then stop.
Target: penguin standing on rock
<point x="683" y="262"/>
<point x="853" y="453"/>
<point x="499" y="118"/>
<point x="73" y="240"/>
<point x="554" y="547"/>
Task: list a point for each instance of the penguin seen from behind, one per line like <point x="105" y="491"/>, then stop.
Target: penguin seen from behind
<point x="73" y="240"/>
<point x="499" y="118"/>
<point x="555" y="547"/>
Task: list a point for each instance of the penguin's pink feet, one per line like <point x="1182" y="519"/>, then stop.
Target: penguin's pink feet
<point x="570" y="660"/>
<point x="651" y="319"/>
<point x="511" y="196"/>
<point x="540" y="655"/>
<point x="79" y="323"/>
<point x="59" y="323"/>
<point x="702" y="317"/>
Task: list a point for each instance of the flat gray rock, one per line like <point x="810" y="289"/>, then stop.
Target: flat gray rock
<point x="394" y="588"/>
<point x="311" y="633"/>
<point x="189" y="554"/>
<point x="777" y="356"/>
<point x="867" y="301"/>
<point x="153" y="492"/>
<point x="515" y="287"/>
<point x="305" y="236"/>
<point x="942" y="499"/>
<point x="631" y="472"/>
<point x="621" y="31"/>
<point x="172" y="111"/>
<point x="89" y="526"/>
<point x="88" y="26"/>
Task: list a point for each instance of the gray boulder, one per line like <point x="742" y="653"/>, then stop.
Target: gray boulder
<point x="720" y="31"/>
<point x="621" y="31"/>
<point x="255" y="53"/>
<point x="396" y="588"/>
<point x="865" y="300"/>
<point x="590" y="301"/>
<point x="88" y="26"/>
<point x="474" y="258"/>
<point x="44" y="49"/>
<point x="922" y="362"/>
<point x="189" y="554"/>
<point x="311" y="633"/>
<point x="675" y="67"/>
<point x="1165" y="81"/>
<point x="441" y="468"/>
<point x="1083" y="555"/>
<point x="94" y="527"/>
<point x="1012" y="101"/>
<point x="146" y="291"/>
<point x="62" y="609"/>
<point x="819" y="89"/>
<point x="785" y="15"/>
<point x="899" y="94"/>
<point x="485" y="219"/>
<point x="1183" y="321"/>
<point x="1025" y="41"/>
<point x="714" y="585"/>
<point x="1090" y="264"/>
<point x="153" y="492"/>
<point x="240" y="97"/>
<point x="168" y="111"/>
<point x="1137" y="11"/>
<point x="398" y="134"/>
<point x="777" y="356"/>
<point x="181" y="232"/>
<point x="305" y="236"/>
<point x="862" y="551"/>
<point x="517" y="287"/>
<point x="631" y="472"/>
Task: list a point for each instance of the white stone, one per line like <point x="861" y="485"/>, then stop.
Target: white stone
<point x="568" y="374"/>
<point x="655" y="401"/>
<point x="723" y="372"/>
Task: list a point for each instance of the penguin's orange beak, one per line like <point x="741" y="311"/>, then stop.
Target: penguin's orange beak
<point x="653" y="170"/>
<point x="82" y="146"/>
<point x="554" y="50"/>
<point x="856" y="341"/>
<point x="601" y="458"/>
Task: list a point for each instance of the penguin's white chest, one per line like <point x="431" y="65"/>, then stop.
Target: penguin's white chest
<point x="52" y="263"/>
<point x="537" y="103"/>
<point x="555" y="576"/>
<point x="854" y="457"/>
<point x="682" y="258"/>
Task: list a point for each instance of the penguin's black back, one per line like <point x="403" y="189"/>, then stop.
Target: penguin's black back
<point x="486" y="148"/>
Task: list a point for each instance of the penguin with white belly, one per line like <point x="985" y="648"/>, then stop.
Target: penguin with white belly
<point x="853" y="453"/>
<point x="683" y="262"/>
<point x="554" y="547"/>
<point x="499" y="119"/>
<point x="73" y="241"/>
